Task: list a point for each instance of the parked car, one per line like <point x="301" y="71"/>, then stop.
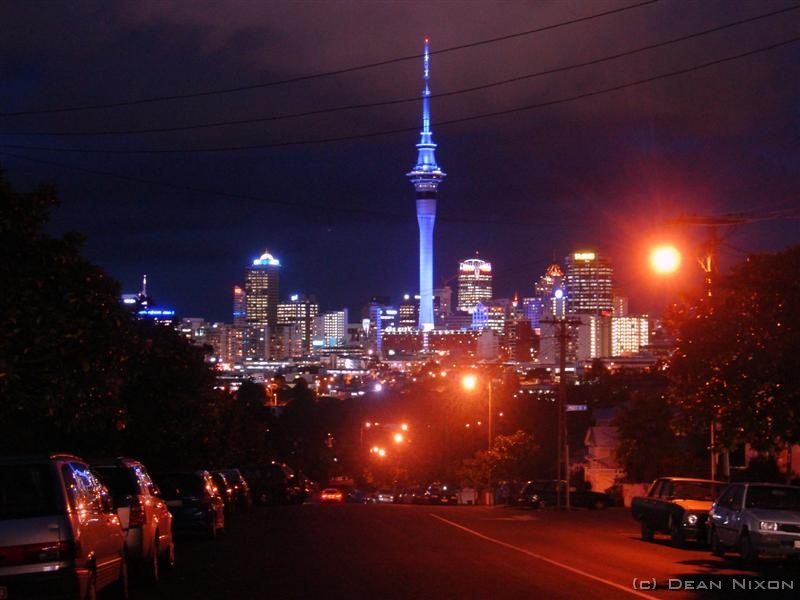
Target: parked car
<point x="60" y="536"/>
<point x="331" y="496"/>
<point x="383" y="496"/>
<point x="275" y="483"/>
<point x="225" y="490"/>
<point x="440" y="493"/>
<point x="192" y="499"/>
<point x="537" y="494"/>
<point x="241" y="489"/>
<point x="756" y="518"/>
<point x="409" y="495"/>
<point x="144" y="515"/>
<point x="677" y="506"/>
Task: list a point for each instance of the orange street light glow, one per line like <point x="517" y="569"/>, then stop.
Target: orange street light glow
<point x="469" y="382"/>
<point x="398" y="438"/>
<point x="665" y="259"/>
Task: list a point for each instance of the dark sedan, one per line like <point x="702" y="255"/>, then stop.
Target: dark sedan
<point x="538" y="494"/>
<point x="194" y="502"/>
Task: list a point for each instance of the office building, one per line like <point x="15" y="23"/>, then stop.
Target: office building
<point x="261" y="289"/>
<point x="588" y="282"/>
<point x="300" y="311"/>
<point x="474" y="283"/>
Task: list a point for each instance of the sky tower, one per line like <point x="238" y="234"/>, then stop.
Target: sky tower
<point x="426" y="176"/>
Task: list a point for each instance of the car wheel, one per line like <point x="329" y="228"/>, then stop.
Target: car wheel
<point x="717" y="549"/>
<point x="154" y="574"/>
<point x="91" y="587"/>
<point x="647" y="531"/>
<point x="120" y="588"/>
<point x="676" y="534"/>
<point x="168" y="559"/>
<point x="746" y="549"/>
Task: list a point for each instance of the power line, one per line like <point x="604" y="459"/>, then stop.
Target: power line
<point x="268" y="84"/>
<point x="360" y="136"/>
<point x="250" y="197"/>
<point x="329" y="110"/>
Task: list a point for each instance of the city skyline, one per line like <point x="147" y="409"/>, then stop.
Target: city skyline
<point x="604" y="172"/>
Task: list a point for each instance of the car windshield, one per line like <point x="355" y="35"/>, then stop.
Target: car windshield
<point x="120" y="481"/>
<point x="26" y="491"/>
<point x="695" y="490"/>
<point x="777" y="498"/>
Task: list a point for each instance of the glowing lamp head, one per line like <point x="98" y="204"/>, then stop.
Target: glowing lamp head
<point x="469" y="382"/>
<point x="398" y="438"/>
<point x="665" y="259"/>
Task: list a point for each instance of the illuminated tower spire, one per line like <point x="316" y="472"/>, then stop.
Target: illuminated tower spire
<point x="426" y="176"/>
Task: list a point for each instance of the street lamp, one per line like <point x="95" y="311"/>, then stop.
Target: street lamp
<point x="665" y="260"/>
<point x="470" y="383"/>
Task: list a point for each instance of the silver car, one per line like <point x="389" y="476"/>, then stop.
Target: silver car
<point x="144" y="516"/>
<point x="60" y="536"/>
<point x="756" y="518"/>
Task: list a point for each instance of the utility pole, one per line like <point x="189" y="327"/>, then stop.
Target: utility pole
<point x="562" y="461"/>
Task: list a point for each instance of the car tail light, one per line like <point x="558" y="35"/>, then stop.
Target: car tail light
<point x="36" y="553"/>
<point x="137" y="517"/>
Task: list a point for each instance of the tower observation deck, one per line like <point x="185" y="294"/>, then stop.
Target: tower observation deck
<point x="426" y="176"/>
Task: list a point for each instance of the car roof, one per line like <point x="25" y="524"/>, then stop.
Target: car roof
<point x="767" y="484"/>
<point x="22" y="459"/>
<point x="693" y="480"/>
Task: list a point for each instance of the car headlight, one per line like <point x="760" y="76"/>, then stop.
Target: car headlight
<point x="691" y="519"/>
<point x="768" y="525"/>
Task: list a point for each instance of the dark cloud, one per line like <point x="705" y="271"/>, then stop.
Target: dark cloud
<point x="603" y="171"/>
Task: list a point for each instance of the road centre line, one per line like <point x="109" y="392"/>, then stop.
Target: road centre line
<point x="544" y="558"/>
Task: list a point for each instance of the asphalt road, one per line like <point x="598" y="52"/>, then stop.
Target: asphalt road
<point x="398" y="551"/>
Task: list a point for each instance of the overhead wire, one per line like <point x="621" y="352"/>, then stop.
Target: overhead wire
<point x="384" y="133"/>
<point x="265" y="200"/>
<point x="242" y="88"/>
<point x="316" y="112"/>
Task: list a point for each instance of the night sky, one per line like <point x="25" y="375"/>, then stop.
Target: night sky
<point x="601" y="172"/>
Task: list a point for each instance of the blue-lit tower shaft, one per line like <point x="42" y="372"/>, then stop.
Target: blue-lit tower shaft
<point x="426" y="176"/>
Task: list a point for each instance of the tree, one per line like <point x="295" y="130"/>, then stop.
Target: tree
<point x="77" y="371"/>
<point x="511" y="458"/>
<point x="63" y="355"/>
<point x="736" y="363"/>
<point x="649" y="447"/>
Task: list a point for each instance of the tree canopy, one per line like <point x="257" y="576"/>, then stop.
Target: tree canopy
<point x="737" y="362"/>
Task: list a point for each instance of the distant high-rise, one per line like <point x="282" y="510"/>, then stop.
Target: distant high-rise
<point x="474" y="283"/>
<point x="588" y="281"/>
<point x="549" y="299"/>
<point x="426" y="176"/>
<point x="239" y="307"/>
<point x="261" y="289"/>
<point x="300" y="311"/>
<point x="442" y="304"/>
<point x="330" y="329"/>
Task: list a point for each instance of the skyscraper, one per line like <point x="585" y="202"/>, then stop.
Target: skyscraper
<point x="300" y="311"/>
<point x="474" y="283"/>
<point x="239" y="306"/>
<point x="261" y="301"/>
<point x="426" y="176"/>
<point x="589" y="284"/>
